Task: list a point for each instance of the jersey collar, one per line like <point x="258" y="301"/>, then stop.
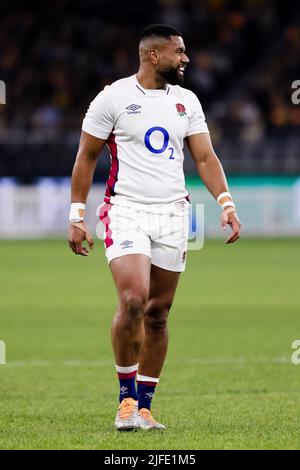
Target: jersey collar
<point x="150" y="92"/>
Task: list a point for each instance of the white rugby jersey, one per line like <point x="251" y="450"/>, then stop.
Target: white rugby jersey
<point x="145" y="130"/>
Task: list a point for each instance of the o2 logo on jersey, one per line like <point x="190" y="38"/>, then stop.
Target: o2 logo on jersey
<point x="165" y="144"/>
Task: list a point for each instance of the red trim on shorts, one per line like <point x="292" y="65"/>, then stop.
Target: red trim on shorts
<point x="104" y="217"/>
<point x="114" y="167"/>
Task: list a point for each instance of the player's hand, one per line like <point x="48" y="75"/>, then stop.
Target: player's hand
<point x="78" y="233"/>
<point x="229" y="217"/>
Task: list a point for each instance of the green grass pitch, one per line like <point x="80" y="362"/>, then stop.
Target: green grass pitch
<point x="228" y="382"/>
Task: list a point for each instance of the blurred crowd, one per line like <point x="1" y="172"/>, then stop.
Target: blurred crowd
<point x="55" y="56"/>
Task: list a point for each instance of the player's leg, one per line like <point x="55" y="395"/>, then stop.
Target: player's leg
<point x="131" y="274"/>
<point x="168" y="257"/>
<point x="128" y="251"/>
<point x="163" y="284"/>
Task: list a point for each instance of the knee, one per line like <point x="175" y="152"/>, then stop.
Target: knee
<point x="133" y="303"/>
<point x="156" y="314"/>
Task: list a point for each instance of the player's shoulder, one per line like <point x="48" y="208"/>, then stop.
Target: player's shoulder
<point x="110" y="94"/>
<point x="121" y="85"/>
<point x="178" y="90"/>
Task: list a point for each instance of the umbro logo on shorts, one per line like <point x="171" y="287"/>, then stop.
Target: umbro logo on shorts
<point x="126" y="244"/>
<point x="133" y="109"/>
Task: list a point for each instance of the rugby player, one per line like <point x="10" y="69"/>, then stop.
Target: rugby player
<point x="145" y="119"/>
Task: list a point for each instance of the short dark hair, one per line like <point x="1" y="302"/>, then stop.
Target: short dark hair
<point x="159" y="30"/>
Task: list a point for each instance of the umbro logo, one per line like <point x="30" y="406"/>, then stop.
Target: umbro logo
<point x="124" y="389"/>
<point x="133" y="109"/>
<point x="126" y="244"/>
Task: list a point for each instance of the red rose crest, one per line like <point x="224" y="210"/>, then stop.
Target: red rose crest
<point x="180" y="109"/>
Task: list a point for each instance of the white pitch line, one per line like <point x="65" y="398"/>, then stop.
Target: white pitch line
<point x="70" y="363"/>
<point x="239" y="360"/>
<point x="192" y="361"/>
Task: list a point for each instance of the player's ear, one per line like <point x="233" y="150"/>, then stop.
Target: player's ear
<point x="153" y="56"/>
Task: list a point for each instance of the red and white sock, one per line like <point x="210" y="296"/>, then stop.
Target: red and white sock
<point x="145" y="390"/>
<point x="126" y="377"/>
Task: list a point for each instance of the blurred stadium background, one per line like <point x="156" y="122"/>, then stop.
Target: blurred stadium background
<point x="55" y="56"/>
<point x="237" y="308"/>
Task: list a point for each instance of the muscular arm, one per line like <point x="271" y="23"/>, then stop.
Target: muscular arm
<point x="212" y="174"/>
<point x="82" y="178"/>
<point x="85" y="164"/>
<point x="208" y="165"/>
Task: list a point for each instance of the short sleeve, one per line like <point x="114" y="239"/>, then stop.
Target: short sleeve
<point x="99" y="119"/>
<point x="197" y="124"/>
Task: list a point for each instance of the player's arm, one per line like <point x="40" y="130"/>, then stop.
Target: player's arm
<point x="212" y="174"/>
<point x="82" y="178"/>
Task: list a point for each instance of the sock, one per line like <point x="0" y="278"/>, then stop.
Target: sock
<point x="145" y="390"/>
<point x="127" y="381"/>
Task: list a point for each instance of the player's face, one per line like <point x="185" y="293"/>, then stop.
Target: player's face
<point x="173" y="61"/>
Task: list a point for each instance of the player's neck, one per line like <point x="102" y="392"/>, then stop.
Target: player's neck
<point x="149" y="81"/>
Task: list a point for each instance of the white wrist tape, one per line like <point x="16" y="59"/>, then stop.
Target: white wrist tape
<point x="77" y="211"/>
<point x="228" y="204"/>
<point x="226" y="194"/>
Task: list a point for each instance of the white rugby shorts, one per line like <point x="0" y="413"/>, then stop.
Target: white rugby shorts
<point x="159" y="231"/>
